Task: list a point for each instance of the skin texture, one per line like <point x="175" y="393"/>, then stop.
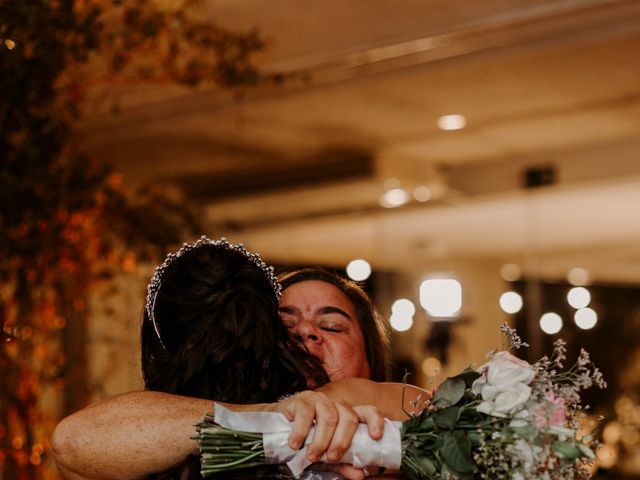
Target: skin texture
<point x="132" y="435"/>
<point x="324" y="320"/>
<point x="129" y="436"/>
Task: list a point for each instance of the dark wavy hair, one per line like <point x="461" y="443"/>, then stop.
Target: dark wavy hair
<point x="374" y="329"/>
<point x="222" y="337"/>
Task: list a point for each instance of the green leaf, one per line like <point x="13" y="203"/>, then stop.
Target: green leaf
<point x="426" y="465"/>
<point x="524" y="432"/>
<point x="586" y="450"/>
<point x="475" y="438"/>
<point x="448" y="473"/>
<point x="426" y="423"/>
<point x="469" y="376"/>
<point x="447" y="418"/>
<point x="566" y="450"/>
<point x="449" y="392"/>
<point x="456" y="452"/>
<point x="416" y="464"/>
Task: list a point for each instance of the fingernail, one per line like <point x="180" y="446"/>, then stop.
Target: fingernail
<point x="313" y="457"/>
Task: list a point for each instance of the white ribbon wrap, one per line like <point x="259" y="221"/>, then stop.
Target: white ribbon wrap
<point x="364" y="451"/>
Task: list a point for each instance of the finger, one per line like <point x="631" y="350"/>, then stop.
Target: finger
<point x="344" y="431"/>
<point x="327" y="418"/>
<point x="370" y="415"/>
<point x="349" y="472"/>
<point x="301" y="412"/>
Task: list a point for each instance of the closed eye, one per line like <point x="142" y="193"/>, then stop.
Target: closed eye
<point x="331" y="327"/>
<point x="328" y="329"/>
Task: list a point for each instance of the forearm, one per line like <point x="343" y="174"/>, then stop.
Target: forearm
<point x="128" y="436"/>
<point x="133" y="435"/>
<point x="387" y="397"/>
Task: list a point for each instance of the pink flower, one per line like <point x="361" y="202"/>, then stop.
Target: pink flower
<point x="557" y="410"/>
<point x="550" y="413"/>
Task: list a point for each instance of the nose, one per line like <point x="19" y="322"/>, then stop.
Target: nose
<point x="307" y="333"/>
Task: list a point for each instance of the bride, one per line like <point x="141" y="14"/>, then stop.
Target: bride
<point x="211" y="331"/>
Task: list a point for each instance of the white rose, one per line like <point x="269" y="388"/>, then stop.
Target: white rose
<point x="478" y="384"/>
<point x="503" y="385"/>
<point x="504" y="369"/>
<point x="502" y="403"/>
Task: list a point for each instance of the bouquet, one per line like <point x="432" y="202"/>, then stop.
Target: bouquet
<point x="507" y="420"/>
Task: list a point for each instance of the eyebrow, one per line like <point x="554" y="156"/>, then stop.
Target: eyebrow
<point x="323" y="311"/>
<point x="328" y="310"/>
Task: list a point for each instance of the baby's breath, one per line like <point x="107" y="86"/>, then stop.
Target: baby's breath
<point x="450" y="431"/>
<point x="515" y="341"/>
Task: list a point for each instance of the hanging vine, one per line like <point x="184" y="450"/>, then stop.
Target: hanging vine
<point x="64" y="219"/>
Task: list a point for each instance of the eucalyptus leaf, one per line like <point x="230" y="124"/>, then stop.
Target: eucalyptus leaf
<point x="426" y="465"/>
<point x="524" y="432"/>
<point x="586" y="450"/>
<point x="469" y="376"/>
<point x="449" y="392"/>
<point x="427" y="423"/>
<point x="415" y="464"/>
<point x="447" y="418"/>
<point x="456" y="452"/>
<point x="566" y="450"/>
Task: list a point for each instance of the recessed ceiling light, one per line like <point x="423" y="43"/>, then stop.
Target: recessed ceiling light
<point x="394" y="198"/>
<point x="452" y="122"/>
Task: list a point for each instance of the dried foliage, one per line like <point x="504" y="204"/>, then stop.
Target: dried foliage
<point x="65" y="222"/>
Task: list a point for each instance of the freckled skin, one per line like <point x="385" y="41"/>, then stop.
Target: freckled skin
<point x="323" y="318"/>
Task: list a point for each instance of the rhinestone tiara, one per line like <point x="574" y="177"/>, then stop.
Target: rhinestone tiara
<point x="155" y="282"/>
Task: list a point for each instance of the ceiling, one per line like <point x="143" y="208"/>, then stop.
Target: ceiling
<point x="297" y="170"/>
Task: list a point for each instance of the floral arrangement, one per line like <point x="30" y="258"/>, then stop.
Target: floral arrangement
<point x="507" y="420"/>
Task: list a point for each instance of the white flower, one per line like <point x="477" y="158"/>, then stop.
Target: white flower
<point x="503" y="385"/>
<point x="519" y="422"/>
<point x="504" y="369"/>
<point x="502" y="403"/>
<point x="524" y="453"/>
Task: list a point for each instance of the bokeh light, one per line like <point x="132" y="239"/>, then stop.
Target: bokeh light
<point x="551" y="323"/>
<point x="511" y="302"/>
<point x="394" y="198"/>
<point x="422" y="193"/>
<point x="404" y="307"/>
<point x="358" y="269"/>
<point x="441" y="297"/>
<point x="510" y="272"/>
<point x="578" y="297"/>
<point x="402" y="312"/>
<point x="431" y="367"/>
<point x="400" y="323"/>
<point x="607" y="456"/>
<point x="452" y="122"/>
<point x="578" y="276"/>
<point x="586" y="318"/>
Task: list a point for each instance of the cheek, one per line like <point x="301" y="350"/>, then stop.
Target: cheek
<point x="348" y="356"/>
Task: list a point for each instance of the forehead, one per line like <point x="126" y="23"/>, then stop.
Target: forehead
<point x="315" y="293"/>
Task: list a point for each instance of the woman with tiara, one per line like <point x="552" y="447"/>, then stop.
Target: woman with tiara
<point x="211" y="330"/>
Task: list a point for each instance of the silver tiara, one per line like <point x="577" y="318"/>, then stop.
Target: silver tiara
<point x="155" y="282"/>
